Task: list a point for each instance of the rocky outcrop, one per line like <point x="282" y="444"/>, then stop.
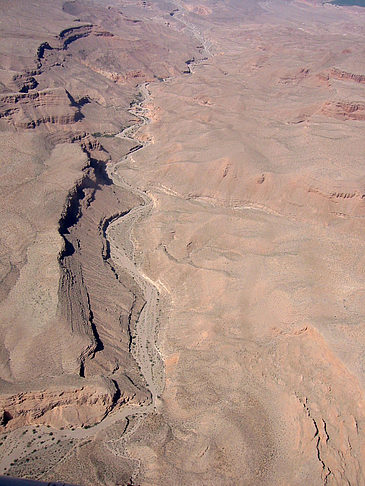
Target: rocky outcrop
<point x="24" y="82"/>
<point x="31" y="109"/>
<point x="296" y="78"/>
<point x="67" y="36"/>
<point x="344" y="110"/>
<point x="116" y="77"/>
<point x="346" y="76"/>
<point x="71" y="34"/>
<point x="60" y="407"/>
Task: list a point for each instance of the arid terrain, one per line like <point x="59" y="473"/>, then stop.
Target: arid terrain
<point x="182" y="249"/>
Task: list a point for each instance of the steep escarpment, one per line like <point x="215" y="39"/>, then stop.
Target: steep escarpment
<point x="78" y="405"/>
<point x="50" y="106"/>
<point x="94" y="297"/>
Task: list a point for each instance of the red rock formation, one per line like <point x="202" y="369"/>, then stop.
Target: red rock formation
<point x="344" y="110"/>
<point x="343" y="75"/>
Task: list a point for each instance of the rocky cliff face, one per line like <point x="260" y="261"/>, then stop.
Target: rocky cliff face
<point x="63" y="407"/>
<point x="50" y="106"/>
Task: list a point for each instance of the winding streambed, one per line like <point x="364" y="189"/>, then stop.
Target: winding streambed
<point x="143" y="344"/>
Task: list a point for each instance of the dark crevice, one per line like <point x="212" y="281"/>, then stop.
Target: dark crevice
<point x="127" y="422"/>
<point x="67" y="36"/>
<point x="5" y="417"/>
<point x="73" y="212"/>
<point x="41" y="50"/>
<point x="68" y="249"/>
<point x="68" y="30"/>
<point x="188" y="62"/>
<point x="99" y="345"/>
<point x="130" y="332"/>
<point x="135" y="148"/>
<point x="104" y="224"/>
<point x="129" y="326"/>
<point x="74" y="33"/>
<point x="82" y="369"/>
<point x="326" y="470"/>
<point x="84" y="100"/>
<point x="100" y="172"/>
<point x="117" y="394"/>
<point x="25" y="83"/>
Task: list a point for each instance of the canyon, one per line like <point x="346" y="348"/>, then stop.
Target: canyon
<point x="182" y="242"/>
